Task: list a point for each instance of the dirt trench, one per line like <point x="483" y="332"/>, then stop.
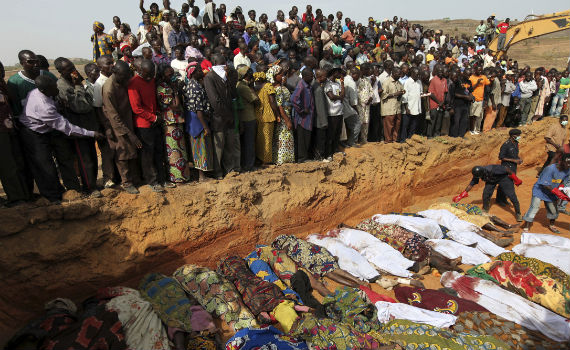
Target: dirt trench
<point x="71" y="250"/>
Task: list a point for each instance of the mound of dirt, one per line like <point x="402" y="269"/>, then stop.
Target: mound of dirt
<point x="75" y="248"/>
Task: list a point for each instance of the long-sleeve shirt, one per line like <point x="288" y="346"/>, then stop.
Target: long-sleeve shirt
<point x="303" y="101"/>
<point x="391" y="105"/>
<point x="77" y="103"/>
<point x="142" y="96"/>
<point x="506" y="96"/>
<point x="412" y="96"/>
<point x="177" y="38"/>
<point x="19" y="86"/>
<point x="40" y="115"/>
<point x="527" y="88"/>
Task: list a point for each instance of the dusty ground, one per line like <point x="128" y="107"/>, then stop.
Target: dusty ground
<point x="71" y="250"/>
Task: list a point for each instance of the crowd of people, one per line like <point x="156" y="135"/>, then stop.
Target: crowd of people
<point x="199" y="93"/>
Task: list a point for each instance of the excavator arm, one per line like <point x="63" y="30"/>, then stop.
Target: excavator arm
<point x="532" y="28"/>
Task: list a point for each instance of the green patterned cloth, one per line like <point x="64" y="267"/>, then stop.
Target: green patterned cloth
<point x="347" y="306"/>
<point x="416" y="336"/>
<point x="216" y="294"/>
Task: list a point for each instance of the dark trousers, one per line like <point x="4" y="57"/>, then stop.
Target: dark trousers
<point x="12" y="168"/>
<point x="507" y="187"/>
<point x="303" y="143"/>
<point x="353" y="126"/>
<point x="320" y="142"/>
<point x="334" y="130"/>
<point x="408" y="127"/>
<point x="152" y="155"/>
<point x="87" y="162"/>
<point x="459" y="122"/>
<point x="434" y="124"/>
<point x="375" y="124"/>
<point x="391" y="124"/>
<point x="40" y="150"/>
<point x="247" y="139"/>
<point x="549" y="159"/>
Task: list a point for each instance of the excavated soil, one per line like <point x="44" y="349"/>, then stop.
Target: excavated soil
<point x="71" y="250"/>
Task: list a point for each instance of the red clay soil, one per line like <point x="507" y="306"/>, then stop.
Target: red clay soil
<point x="71" y="250"/>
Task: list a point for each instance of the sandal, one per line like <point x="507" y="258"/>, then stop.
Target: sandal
<point x="553" y="229"/>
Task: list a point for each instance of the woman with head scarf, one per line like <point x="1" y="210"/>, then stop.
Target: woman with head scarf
<point x="102" y="42"/>
<point x="127" y="36"/>
<point x="197" y="118"/>
<point x="267" y="112"/>
<point x="283" y="144"/>
<point x="170" y="109"/>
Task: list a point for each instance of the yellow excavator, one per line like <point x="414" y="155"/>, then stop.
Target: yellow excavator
<point x="532" y="27"/>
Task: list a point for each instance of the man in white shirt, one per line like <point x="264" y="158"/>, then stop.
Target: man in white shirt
<point x="241" y="57"/>
<point x="194" y="19"/>
<point x="412" y="103"/>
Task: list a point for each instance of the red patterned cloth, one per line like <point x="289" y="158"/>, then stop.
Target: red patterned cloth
<point x="435" y="300"/>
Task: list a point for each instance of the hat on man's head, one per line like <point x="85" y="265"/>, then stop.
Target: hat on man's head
<point x="510" y="72"/>
<point x="514" y="132"/>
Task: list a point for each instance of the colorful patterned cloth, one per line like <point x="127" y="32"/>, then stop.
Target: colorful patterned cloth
<point x="435" y="300"/>
<point x="143" y="328"/>
<point x="60" y="328"/>
<point x="477" y="220"/>
<point x="283" y="266"/>
<point x="264" y="271"/>
<point x="216" y="294"/>
<point x="265" y="124"/>
<point x="328" y="334"/>
<point x="174" y="130"/>
<point x="196" y="100"/>
<point x="348" y="306"/>
<point x="469" y="209"/>
<point x="283" y="141"/>
<point x="202" y="152"/>
<point x="514" y="335"/>
<point x="269" y="338"/>
<point x="102" y="45"/>
<point x="172" y="304"/>
<point x="416" y="336"/>
<point x="410" y="244"/>
<point x="259" y="295"/>
<point x="264" y="141"/>
<point x="538" y="267"/>
<point x="521" y="280"/>
<point x="316" y="259"/>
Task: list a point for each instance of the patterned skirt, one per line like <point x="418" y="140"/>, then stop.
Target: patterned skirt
<point x="202" y="152"/>
<point x="264" y="141"/>
<point x="283" y="145"/>
<point x="177" y="154"/>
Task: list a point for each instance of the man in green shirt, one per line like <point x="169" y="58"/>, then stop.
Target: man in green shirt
<point x="558" y="99"/>
<point x="19" y="85"/>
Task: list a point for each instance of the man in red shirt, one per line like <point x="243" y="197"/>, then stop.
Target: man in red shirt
<point x="438" y="89"/>
<point x="142" y="96"/>
<point x="502" y="28"/>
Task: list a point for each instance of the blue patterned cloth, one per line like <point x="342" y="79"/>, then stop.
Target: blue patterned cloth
<point x="263" y="338"/>
<point x="262" y="270"/>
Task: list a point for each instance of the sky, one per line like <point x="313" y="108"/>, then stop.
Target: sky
<point x="56" y="28"/>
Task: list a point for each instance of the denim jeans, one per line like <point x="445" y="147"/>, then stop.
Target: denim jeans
<point x="551" y="210"/>
<point x="556" y="105"/>
<point x="562" y="204"/>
